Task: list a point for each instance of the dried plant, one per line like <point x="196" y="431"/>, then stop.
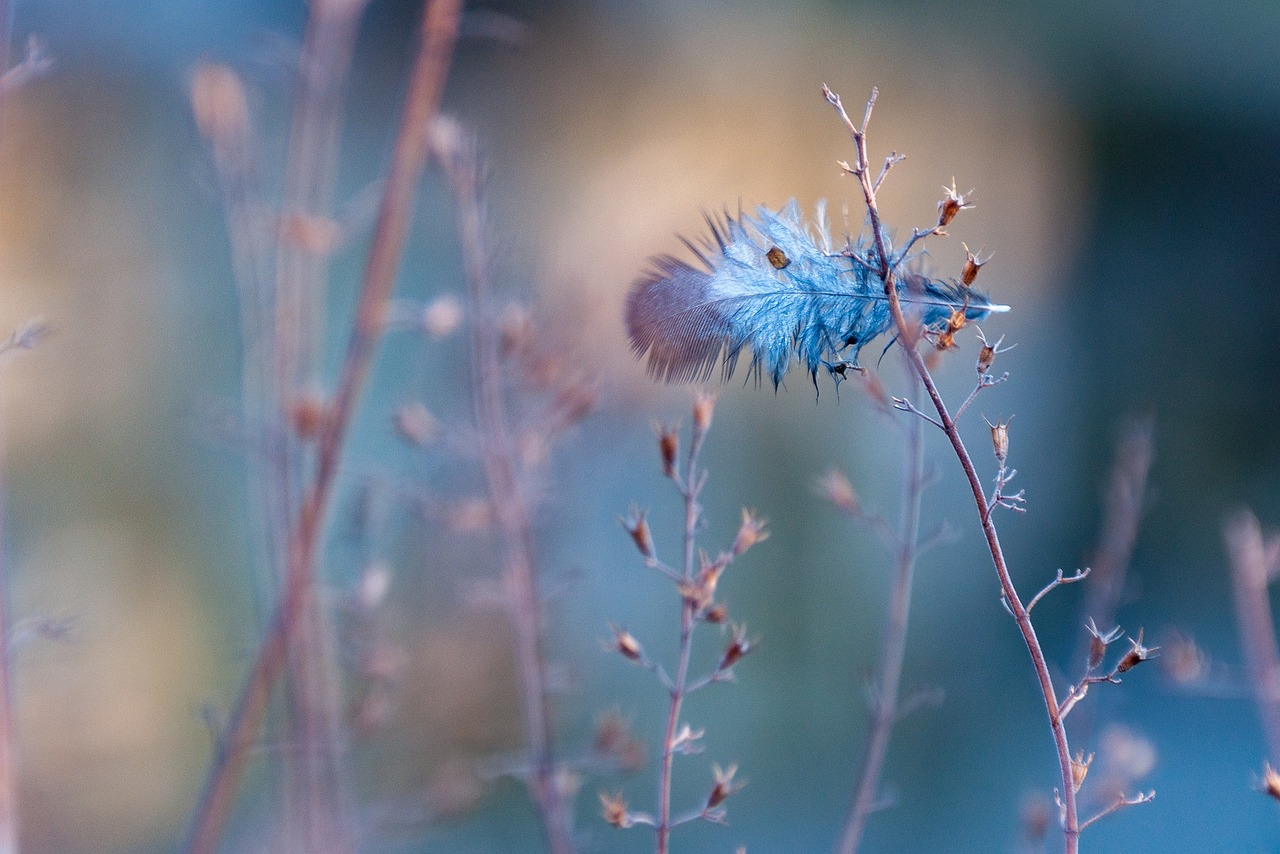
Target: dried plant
<point x="785" y="292"/>
<point x="887" y="263"/>
<point x="695" y="583"/>
<point x="303" y="435"/>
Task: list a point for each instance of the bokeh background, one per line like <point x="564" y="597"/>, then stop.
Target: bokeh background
<point x="1124" y="158"/>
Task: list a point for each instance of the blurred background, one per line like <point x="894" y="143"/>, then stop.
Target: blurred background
<point x="1124" y="162"/>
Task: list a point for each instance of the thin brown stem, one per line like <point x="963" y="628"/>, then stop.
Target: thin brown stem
<point x="908" y="335"/>
<point x="690" y="489"/>
<point x="885" y="709"/>
<point x="439" y="30"/>
<point x="1253" y="565"/>
<point x="507" y="496"/>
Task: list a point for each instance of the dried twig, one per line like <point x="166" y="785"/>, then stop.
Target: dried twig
<point x="908" y="336"/>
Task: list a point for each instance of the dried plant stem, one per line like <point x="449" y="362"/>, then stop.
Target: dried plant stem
<point x="439" y="30"/>
<point x="318" y="793"/>
<point x="508" y="497"/>
<point x="885" y="702"/>
<point x="1254" y="562"/>
<point x="908" y="336"/>
<point x="8" y="771"/>
<point x="690" y="489"/>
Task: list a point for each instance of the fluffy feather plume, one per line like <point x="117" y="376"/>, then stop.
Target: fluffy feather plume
<point x="770" y="288"/>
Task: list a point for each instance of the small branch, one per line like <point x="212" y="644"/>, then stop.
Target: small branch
<point x="904" y="405"/>
<point x="1120" y="803"/>
<point x="1079" y="691"/>
<point x="1081" y="575"/>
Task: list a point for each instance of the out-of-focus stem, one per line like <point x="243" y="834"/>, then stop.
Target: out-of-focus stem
<point x="316" y="750"/>
<point x="508" y="498"/>
<point x="1126" y="494"/>
<point x="885" y="701"/>
<point x="439" y="31"/>
<point x="1253" y="564"/>
<point x="8" y="771"/>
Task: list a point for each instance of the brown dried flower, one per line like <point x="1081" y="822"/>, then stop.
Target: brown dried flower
<point x="952" y="203"/>
<point x="749" y="533"/>
<point x="614" y="810"/>
<point x="724" y="786"/>
<point x="1080" y="769"/>
<point x="1137" y="655"/>
<point x="999" y="439"/>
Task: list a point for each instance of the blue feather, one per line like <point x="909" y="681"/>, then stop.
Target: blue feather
<point x="774" y="289"/>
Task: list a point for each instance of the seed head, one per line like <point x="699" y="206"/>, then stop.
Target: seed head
<point x="1270" y="782"/>
<point x="724" y="786"/>
<point x="636" y="524"/>
<point x="669" y="447"/>
<point x="1080" y="769"/>
<point x="614" y="810"/>
<point x="704" y="407"/>
<point x="1098" y="642"/>
<point x="1000" y="439"/>
<point x="972" y="266"/>
<point x="952" y="203"/>
<point x="749" y="533"/>
<point x="1137" y="655"/>
<point x="626" y="643"/>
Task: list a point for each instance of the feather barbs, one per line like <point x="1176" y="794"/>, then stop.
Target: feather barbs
<point x="775" y="288"/>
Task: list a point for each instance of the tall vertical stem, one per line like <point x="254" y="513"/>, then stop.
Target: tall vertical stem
<point x="884" y="713"/>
